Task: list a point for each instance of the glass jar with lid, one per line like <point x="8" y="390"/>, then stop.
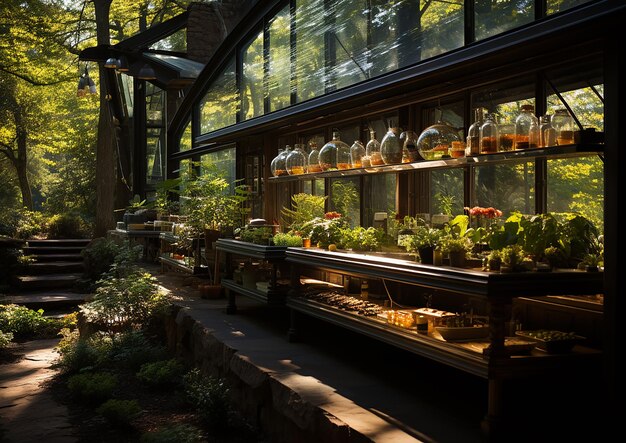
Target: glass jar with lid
<point x="296" y="161"/>
<point x="335" y="154"/>
<point x="563" y="124"/>
<point x="435" y="142"/>
<point x="473" y="133"/>
<point x="278" y="165"/>
<point x="390" y="147"/>
<point x="489" y="137"/>
<point x="314" y="158"/>
<point x="523" y="122"/>
<point x="372" y="150"/>
<point x="357" y="152"/>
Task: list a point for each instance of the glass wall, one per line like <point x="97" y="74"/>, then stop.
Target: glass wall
<point x="252" y="95"/>
<point x="223" y="161"/>
<point x="218" y="108"/>
<point x="279" y="63"/>
<point x="155" y="134"/>
<point x="494" y="17"/>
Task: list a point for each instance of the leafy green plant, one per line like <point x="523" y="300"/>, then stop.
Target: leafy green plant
<point x="99" y="256"/>
<point x="164" y="192"/>
<point x="132" y="349"/>
<point x="259" y="235"/>
<point x="362" y="239"/>
<point x="126" y="303"/>
<point x="181" y="433"/>
<point x="304" y="208"/>
<point x="119" y="412"/>
<point x="513" y="258"/>
<point x="287" y="239"/>
<point x="66" y="226"/>
<point x="422" y="237"/>
<point x="345" y="198"/>
<point x="161" y="373"/>
<point x="5" y="339"/>
<point x="21" y="321"/>
<point x="210" y="397"/>
<point x="77" y="354"/>
<point x="92" y="387"/>
<point x="450" y="243"/>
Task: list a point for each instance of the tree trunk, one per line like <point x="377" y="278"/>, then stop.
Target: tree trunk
<point x="21" y="160"/>
<point x="106" y="171"/>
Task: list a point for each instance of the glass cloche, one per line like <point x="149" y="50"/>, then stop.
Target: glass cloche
<point x="335" y="154"/>
<point x="391" y="147"/>
<point x="435" y="141"/>
<point x="314" y="158"/>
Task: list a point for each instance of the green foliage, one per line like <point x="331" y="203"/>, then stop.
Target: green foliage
<point x="133" y="349"/>
<point x="119" y="412"/>
<point x="21" y="321"/>
<point x="287" y="239"/>
<point x="182" y="433"/>
<point x="210" y="396"/>
<point x="66" y="226"/>
<point x="422" y="237"/>
<point x="99" y="256"/>
<point x="164" y="202"/>
<point x="78" y="353"/>
<point x="345" y="198"/>
<point x="362" y="239"/>
<point x="92" y="387"/>
<point x="304" y="208"/>
<point x="123" y="304"/>
<point x="513" y="257"/>
<point x="22" y="223"/>
<point x="5" y="339"/>
<point x="259" y="235"/>
<point x="161" y="373"/>
<point x="445" y="202"/>
<point x="325" y="231"/>
<point x="450" y="243"/>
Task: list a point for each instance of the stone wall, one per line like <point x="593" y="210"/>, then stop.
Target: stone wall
<point x="279" y="412"/>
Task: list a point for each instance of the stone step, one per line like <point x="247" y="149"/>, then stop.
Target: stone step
<point x="50" y="281"/>
<point x="54" y="267"/>
<point x="50" y="301"/>
<point x="71" y="242"/>
<point x="51" y="250"/>
<point x="59" y="257"/>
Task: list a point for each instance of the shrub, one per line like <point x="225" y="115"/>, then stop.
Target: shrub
<point x="182" y="433"/>
<point x="21" y="321"/>
<point x="286" y="239"/>
<point x="161" y="373"/>
<point x="92" y="387"/>
<point x="209" y="396"/>
<point x="119" y="412"/>
<point x="77" y="354"/>
<point x="133" y="349"/>
<point x="123" y="304"/>
<point x="98" y="257"/>
<point x="66" y="226"/>
<point x="5" y="339"/>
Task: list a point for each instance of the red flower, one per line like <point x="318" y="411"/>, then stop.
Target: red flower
<point x="332" y="215"/>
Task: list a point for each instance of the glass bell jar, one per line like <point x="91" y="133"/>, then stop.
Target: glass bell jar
<point x="372" y="150"/>
<point x="335" y="154"/>
<point x="279" y="163"/>
<point x="409" y="147"/>
<point x="435" y="142"/>
<point x="296" y="161"/>
<point x="391" y="147"/>
<point x="314" y="158"/>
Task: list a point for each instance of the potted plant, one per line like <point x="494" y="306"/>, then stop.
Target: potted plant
<point x="423" y="242"/>
<point x="494" y="260"/>
<point x="456" y="248"/>
<point x="513" y="259"/>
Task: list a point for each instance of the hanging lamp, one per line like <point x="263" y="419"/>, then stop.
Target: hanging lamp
<point x="85" y="84"/>
<point x="146" y="73"/>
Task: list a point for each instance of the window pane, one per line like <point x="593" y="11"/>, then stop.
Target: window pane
<point x="279" y="83"/>
<point x="577" y="185"/>
<point x="554" y="6"/>
<point x="155" y="155"/>
<point x="185" y="139"/>
<point x="509" y="187"/>
<point x="379" y="195"/>
<point x="506" y="100"/>
<point x="441" y="27"/>
<point x="252" y="79"/>
<point x="345" y="198"/>
<point x="177" y="42"/>
<point x="494" y="17"/>
<point x="222" y="161"/>
<point x="446" y="195"/>
<point x="218" y="108"/>
<point x="348" y="43"/>
<point x="310" y="70"/>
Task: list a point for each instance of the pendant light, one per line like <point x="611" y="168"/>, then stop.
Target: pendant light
<point x="146" y="73"/>
<point x="85" y="84"/>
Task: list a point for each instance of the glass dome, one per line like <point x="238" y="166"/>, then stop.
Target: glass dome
<point x="279" y="163"/>
<point x="296" y="161"/>
<point x="435" y="141"/>
<point x="314" y="158"/>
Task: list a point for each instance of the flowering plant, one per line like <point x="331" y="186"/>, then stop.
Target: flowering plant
<point x="484" y="221"/>
<point x="326" y="230"/>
